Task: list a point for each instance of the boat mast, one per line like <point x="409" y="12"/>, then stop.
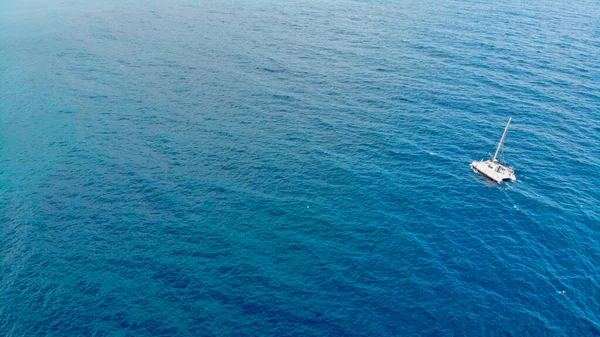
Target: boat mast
<point x="502" y="140"/>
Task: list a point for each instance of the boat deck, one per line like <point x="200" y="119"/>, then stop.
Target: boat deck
<point x="494" y="170"/>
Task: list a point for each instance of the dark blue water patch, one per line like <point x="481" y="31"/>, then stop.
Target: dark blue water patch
<point x="190" y="169"/>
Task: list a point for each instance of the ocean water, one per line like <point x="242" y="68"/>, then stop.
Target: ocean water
<point x="298" y="168"/>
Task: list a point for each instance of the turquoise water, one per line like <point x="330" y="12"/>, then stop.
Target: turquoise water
<point x="263" y="168"/>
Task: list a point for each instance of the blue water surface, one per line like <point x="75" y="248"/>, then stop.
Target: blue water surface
<point x="298" y="168"/>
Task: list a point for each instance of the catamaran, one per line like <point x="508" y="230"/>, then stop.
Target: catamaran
<point x="493" y="169"/>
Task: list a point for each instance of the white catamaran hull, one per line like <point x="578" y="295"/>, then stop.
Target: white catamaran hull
<point x="494" y="170"/>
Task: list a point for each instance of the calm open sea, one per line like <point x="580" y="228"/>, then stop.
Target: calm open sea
<point x="298" y="168"/>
